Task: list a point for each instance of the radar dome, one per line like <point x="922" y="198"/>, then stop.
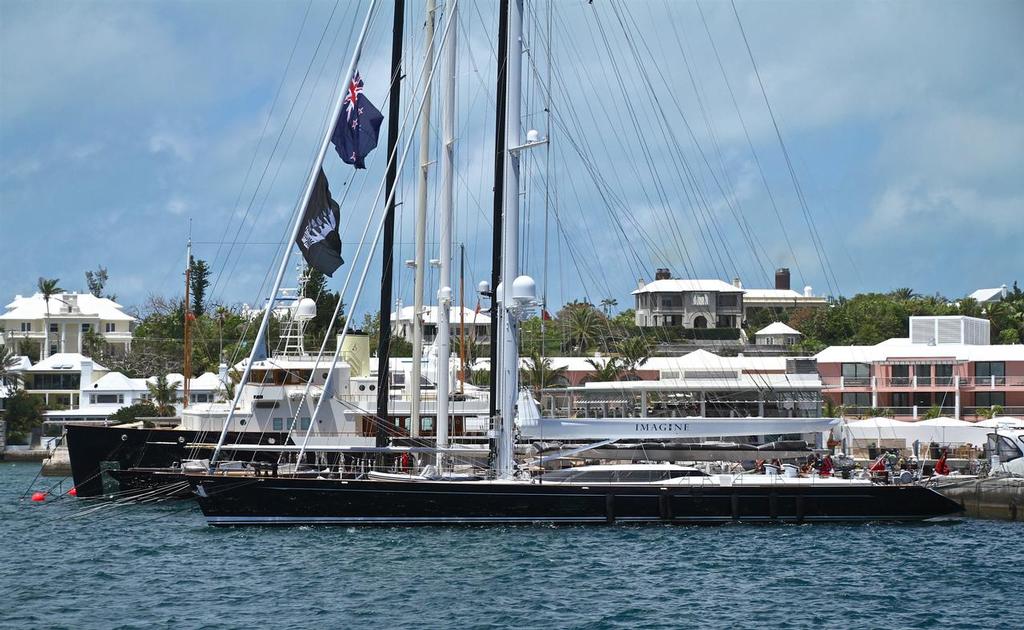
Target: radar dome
<point x="305" y="309"/>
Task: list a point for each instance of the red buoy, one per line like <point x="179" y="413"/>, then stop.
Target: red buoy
<point x="73" y="492"/>
<point x="38" y="496"/>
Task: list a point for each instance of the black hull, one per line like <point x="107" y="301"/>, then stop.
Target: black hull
<point x="280" y="501"/>
<point x="93" y="450"/>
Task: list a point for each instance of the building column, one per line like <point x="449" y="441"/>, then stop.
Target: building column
<point x="956" y="408"/>
<point x="63" y="335"/>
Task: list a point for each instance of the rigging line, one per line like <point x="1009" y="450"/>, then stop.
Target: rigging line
<point x="700" y="198"/>
<point x="750" y="143"/>
<point x="280" y="135"/>
<point x="266" y="124"/>
<point x="826" y="266"/>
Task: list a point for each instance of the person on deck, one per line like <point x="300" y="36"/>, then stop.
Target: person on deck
<point x="941" y="466"/>
<point x="406" y="460"/>
<point x="827" y="467"/>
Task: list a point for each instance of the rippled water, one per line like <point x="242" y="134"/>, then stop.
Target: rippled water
<point x="160" y="566"/>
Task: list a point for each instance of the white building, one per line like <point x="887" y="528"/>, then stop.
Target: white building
<point x="71" y="316"/>
<point x="989" y="296"/>
<point x="478" y="325"/>
<point x="59" y="378"/>
<point x="777" y="334"/>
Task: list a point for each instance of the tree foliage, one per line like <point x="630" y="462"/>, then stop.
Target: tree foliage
<point x="23" y="412"/>
<point x="199" y="282"/>
<point x="97" y="280"/>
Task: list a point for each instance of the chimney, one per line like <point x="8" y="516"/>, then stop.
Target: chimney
<point x="808" y="292"/>
<point x="736" y="282"/>
<point x="662" y="273"/>
<point x="86" y="374"/>
<point x="1003" y="291"/>
<point x="640" y="284"/>
<point x="782" y="278"/>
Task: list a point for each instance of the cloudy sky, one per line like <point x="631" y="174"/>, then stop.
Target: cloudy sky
<point x="887" y="149"/>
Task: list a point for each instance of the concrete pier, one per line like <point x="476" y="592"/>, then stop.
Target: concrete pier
<point x="999" y="498"/>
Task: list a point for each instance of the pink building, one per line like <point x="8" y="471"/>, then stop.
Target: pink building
<point x="947" y="362"/>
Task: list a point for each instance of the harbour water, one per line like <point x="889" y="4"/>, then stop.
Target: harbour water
<point x="160" y="566"/>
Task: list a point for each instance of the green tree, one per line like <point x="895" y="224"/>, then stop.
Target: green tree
<point x="480" y="378"/>
<point x="608" y="304"/>
<point x="538" y="374"/>
<point x="990" y="412"/>
<point x="163" y="394"/>
<point x="633" y="353"/>
<point x="131" y="413"/>
<point x="831" y="410"/>
<point x="583" y="326"/>
<point x="49" y="287"/>
<point x="326" y="302"/>
<point x="933" y="412"/>
<point x="199" y="282"/>
<point x="96" y="280"/>
<point x="23" y="412"/>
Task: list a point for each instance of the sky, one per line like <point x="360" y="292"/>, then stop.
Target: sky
<point x="877" y="145"/>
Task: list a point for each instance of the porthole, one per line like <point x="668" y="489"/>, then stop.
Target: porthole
<point x="362" y="388"/>
<point x="242" y="422"/>
<point x="373" y="387"/>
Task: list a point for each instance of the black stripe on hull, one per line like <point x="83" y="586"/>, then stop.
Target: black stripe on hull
<point x="270" y="501"/>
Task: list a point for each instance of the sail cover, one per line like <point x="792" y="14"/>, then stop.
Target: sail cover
<point x="318" y="237"/>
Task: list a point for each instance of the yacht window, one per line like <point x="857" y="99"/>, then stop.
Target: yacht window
<point x="427" y="424"/>
<point x="279" y="424"/>
<point x="304" y="424"/>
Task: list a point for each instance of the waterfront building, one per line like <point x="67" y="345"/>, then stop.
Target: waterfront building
<point x="946" y="362"/>
<point x="60" y="378"/>
<point x="72" y="316"/>
<point x="478" y="325"/>
<point x="670" y="302"/>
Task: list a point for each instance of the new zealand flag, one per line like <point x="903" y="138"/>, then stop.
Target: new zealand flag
<point x="319" y="238"/>
<point x="355" y="135"/>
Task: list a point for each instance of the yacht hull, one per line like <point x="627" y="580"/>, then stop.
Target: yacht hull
<point x="94" y="450"/>
<point x="285" y="501"/>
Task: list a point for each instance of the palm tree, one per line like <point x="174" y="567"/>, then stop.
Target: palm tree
<point x="608" y="304"/>
<point x="634" y="353"/>
<point x="49" y="287"/>
<point x="8" y="361"/>
<point x="163" y="394"/>
<point x="582" y="324"/>
<point x="539" y="374"/>
<point x="990" y="412"/>
<point x="610" y="370"/>
<point x="933" y="412"/>
<point x="904" y="294"/>
<point x="832" y="410"/>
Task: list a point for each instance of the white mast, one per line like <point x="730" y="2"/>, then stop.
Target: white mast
<point x="508" y="385"/>
<point x="296" y="226"/>
<point x="421" y="229"/>
<point x="444" y="293"/>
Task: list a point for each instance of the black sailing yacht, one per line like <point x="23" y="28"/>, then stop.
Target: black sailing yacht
<point x="665" y="493"/>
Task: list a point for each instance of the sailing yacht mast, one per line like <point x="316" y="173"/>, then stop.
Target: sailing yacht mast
<point x="508" y="356"/>
<point x="421" y="230"/>
<point x="444" y="293"/>
<point x="187" y="337"/>
<point x="296" y="227"/>
<point x="388" y="250"/>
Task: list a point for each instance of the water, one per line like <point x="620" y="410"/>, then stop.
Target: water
<point x="162" y="567"/>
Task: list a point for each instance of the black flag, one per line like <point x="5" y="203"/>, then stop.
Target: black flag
<point x="355" y="133"/>
<point x="319" y="238"/>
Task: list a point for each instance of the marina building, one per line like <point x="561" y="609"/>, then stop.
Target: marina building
<point x="947" y="362"/>
<point x="62" y="327"/>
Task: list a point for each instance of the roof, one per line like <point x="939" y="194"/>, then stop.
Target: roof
<point x="988" y="295"/>
<point x="778" y="328"/>
<point x="742" y="382"/>
<point x="696" y="360"/>
<point x="87" y="306"/>
<point x="775" y="294"/>
<point x="117" y="382"/>
<point x="680" y="286"/>
<point x="65" y="361"/>
<point x="430" y="315"/>
<point x="205" y="381"/>
<point x="903" y="349"/>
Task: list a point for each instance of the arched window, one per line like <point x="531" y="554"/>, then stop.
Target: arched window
<point x="700" y="322"/>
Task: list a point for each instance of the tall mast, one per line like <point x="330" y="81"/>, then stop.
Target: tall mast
<point x="499" y="198"/>
<point x="509" y="354"/>
<point x="421" y="229"/>
<point x="187" y="337"/>
<point x="387" y="269"/>
<point x="444" y="293"/>
<point x="462" y="318"/>
<point x="300" y="209"/>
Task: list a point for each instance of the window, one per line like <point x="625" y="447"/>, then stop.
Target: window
<point x="427" y="424"/>
<point x="700" y="299"/>
<point x="922" y="399"/>
<point x="856" y="374"/>
<point x="304" y="424"/>
<point x="728" y="300"/>
<point x="857" y="399"/>
<point x="204" y="397"/>
<point x="944" y="374"/>
<point x="988" y="399"/>
<point x="901" y="375"/>
<point x="900" y="399"/>
<point x="990" y="368"/>
<point x="110" y="327"/>
<point x="278" y="424"/>
<point x="53" y="328"/>
<point x="26" y="326"/>
<point x="86" y="327"/>
<point x="923" y="373"/>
